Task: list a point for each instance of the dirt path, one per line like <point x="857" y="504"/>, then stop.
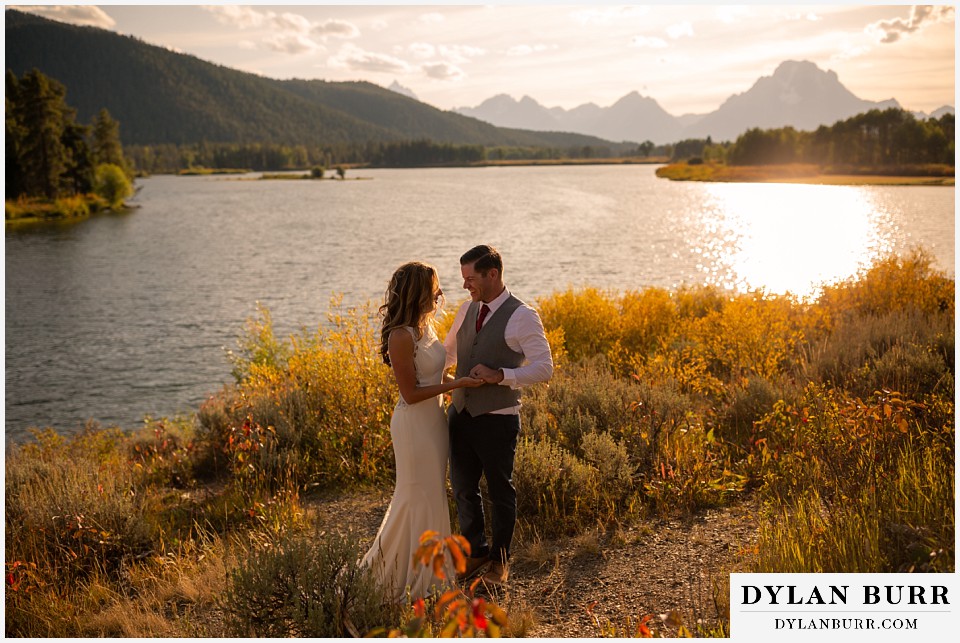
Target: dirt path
<point x="657" y="568"/>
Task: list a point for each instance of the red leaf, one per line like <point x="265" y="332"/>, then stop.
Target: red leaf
<point x="479" y="617"/>
<point x="438" y="567"/>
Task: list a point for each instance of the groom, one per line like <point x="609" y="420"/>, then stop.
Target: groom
<point x="499" y="339"/>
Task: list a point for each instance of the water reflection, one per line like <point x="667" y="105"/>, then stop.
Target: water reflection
<point x="789" y="238"/>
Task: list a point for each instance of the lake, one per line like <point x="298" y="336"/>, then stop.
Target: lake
<point x="121" y="316"/>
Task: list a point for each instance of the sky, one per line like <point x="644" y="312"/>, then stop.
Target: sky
<point x="688" y="57"/>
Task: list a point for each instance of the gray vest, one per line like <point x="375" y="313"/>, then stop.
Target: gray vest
<point x="487" y="347"/>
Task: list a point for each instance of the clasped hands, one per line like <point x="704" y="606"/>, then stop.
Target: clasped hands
<point x="480" y="375"/>
<point x="487" y="374"/>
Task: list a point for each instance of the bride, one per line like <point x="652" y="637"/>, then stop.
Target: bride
<point x="418" y="428"/>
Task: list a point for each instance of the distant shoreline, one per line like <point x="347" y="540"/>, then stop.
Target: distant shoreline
<point x="799" y="173"/>
<point x="289" y="174"/>
<point x="627" y="160"/>
<point x="792" y="173"/>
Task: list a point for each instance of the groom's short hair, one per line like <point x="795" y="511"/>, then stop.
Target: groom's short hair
<point x="483" y="259"/>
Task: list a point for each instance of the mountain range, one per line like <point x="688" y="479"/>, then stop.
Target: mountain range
<point x="798" y="94"/>
<point x="161" y="96"/>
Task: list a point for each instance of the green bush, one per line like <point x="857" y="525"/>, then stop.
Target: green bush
<point x="746" y="405"/>
<point x="111" y="183"/>
<point x="855" y="355"/>
<point x="909" y="369"/>
<point x="611" y="460"/>
<point x="557" y="493"/>
<point x="304" y="587"/>
<point x="580" y="399"/>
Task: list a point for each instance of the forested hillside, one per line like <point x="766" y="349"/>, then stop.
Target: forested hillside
<point x="164" y="97"/>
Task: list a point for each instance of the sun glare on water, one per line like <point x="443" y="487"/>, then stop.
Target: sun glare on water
<point x="791" y="238"/>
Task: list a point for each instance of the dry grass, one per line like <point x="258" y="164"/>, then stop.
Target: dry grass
<point x="587" y="545"/>
<point x="833" y="413"/>
<point x="523" y="619"/>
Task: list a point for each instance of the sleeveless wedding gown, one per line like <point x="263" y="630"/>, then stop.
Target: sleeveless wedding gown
<point x="421" y="444"/>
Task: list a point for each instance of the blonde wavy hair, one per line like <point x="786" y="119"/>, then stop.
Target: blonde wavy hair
<point x="409" y="301"/>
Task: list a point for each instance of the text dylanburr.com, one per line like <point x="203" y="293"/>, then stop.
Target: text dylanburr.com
<point x="844" y="607"/>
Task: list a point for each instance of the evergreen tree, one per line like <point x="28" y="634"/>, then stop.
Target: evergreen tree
<point x="47" y="151"/>
<point x="106" y="141"/>
<point x="14" y="185"/>
<point x="78" y="177"/>
<point x="40" y="111"/>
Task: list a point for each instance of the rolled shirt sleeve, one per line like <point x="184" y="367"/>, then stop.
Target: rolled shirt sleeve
<point x="525" y="334"/>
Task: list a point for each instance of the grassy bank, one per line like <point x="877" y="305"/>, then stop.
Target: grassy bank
<point x="812" y="174"/>
<point x="206" y="171"/>
<point x="837" y="414"/>
<point x="286" y="177"/>
<point x="33" y="210"/>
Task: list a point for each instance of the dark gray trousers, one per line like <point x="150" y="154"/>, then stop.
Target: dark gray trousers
<point x="484" y="446"/>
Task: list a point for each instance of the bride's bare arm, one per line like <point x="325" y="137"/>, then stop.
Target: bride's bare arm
<point x="400" y="346"/>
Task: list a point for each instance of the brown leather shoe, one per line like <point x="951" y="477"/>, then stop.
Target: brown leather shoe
<point x="474" y="566"/>
<point x="497" y="575"/>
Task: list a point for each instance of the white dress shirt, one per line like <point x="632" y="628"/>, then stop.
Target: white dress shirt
<point x="524" y="334"/>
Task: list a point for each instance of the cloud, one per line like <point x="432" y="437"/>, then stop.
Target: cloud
<point x="292" y="43"/>
<point x="679" y="30"/>
<point x="85" y="16"/>
<point x="354" y="58"/>
<point x="243" y="17"/>
<point x="443" y="71"/>
<point x="889" y="31"/>
<point x="648" y="42"/>
<point x="337" y="29"/>
<point x="289" y="33"/>
<point x="291" y="22"/>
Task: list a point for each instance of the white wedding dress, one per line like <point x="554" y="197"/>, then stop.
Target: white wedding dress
<point x="421" y="444"/>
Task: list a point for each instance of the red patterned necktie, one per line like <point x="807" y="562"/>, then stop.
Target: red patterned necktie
<point x="483" y="315"/>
